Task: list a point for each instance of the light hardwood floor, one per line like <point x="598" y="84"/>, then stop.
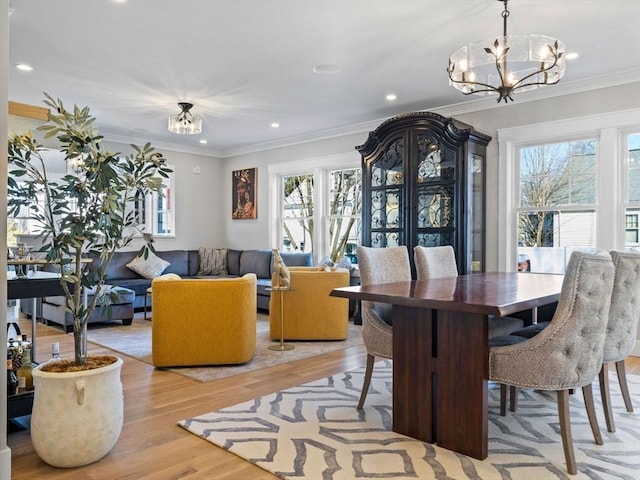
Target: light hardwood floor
<point x="152" y="446"/>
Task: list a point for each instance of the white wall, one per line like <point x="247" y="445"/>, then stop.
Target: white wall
<point x="5" y="452"/>
<point x="197" y="201"/>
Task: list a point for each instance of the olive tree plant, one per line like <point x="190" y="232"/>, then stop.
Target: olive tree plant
<point x="88" y="210"/>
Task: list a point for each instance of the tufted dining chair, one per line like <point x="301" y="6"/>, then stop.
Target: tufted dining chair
<point x="621" y="329"/>
<point x="379" y="265"/>
<point x="568" y="353"/>
<point x="439" y="262"/>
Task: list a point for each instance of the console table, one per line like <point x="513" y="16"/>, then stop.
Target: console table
<point x="36" y="284"/>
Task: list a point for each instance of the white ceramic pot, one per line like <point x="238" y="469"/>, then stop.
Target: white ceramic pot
<point x="77" y="416"/>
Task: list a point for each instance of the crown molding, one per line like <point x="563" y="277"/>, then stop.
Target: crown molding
<point x="475" y="105"/>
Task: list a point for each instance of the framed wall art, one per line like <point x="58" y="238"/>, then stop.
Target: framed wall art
<point x="244" y="192"/>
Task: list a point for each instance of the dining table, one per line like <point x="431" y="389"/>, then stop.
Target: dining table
<point x="440" y="349"/>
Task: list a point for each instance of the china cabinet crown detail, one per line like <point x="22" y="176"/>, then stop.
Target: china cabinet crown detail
<point x="424" y="184"/>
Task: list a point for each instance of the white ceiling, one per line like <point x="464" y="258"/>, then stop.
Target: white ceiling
<point x="248" y="63"/>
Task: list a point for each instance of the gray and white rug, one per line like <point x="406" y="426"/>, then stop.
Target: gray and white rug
<point x="314" y="431"/>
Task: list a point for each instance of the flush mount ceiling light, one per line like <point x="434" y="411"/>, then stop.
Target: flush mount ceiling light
<point x="185" y="123"/>
<point x="508" y="63"/>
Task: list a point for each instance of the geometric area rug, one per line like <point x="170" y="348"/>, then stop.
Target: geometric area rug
<point x="314" y="431"/>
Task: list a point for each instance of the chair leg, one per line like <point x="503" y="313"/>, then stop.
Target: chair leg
<point x="513" y="398"/>
<point x="367" y="380"/>
<point x="565" y="431"/>
<point x="503" y="399"/>
<point x="624" y="388"/>
<point x="587" y="392"/>
<point x="603" y="380"/>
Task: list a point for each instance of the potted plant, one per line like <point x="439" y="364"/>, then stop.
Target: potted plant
<point x="89" y="209"/>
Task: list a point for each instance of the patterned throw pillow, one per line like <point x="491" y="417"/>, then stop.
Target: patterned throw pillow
<point x="213" y="261"/>
<point x="151" y="267"/>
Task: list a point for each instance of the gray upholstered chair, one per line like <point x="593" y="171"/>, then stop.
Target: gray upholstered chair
<point x="439" y="262"/>
<point x="379" y="265"/>
<point x="568" y="353"/>
<point x="622" y="328"/>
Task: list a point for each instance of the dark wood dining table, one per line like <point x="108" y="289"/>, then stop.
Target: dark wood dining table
<point x="441" y="353"/>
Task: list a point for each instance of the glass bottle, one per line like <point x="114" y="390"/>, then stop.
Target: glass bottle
<point x="25" y="373"/>
<point x="55" y="351"/>
<point x="12" y="380"/>
<point x="26" y="344"/>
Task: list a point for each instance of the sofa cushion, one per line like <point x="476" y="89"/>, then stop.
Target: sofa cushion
<point x="178" y="261"/>
<point x="297" y="259"/>
<point x="233" y="261"/>
<point x="149" y="267"/>
<point x="213" y="261"/>
<point x="256" y="261"/>
<point x="138" y="285"/>
<point x="117" y="267"/>
<point x="263" y="287"/>
<point x="119" y="295"/>
<point x="193" y="257"/>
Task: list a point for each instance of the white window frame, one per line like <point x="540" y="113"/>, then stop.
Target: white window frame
<point x="151" y="208"/>
<point x="320" y="168"/>
<point x="610" y="171"/>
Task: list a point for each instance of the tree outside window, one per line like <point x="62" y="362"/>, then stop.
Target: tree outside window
<point x="345" y="197"/>
<point x="297" y="204"/>
<point x="340" y="215"/>
<point x="557" y="201"/>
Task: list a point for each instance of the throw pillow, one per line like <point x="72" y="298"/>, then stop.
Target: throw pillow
<point x="213" y="261"/>
<point x="151" y="267"/>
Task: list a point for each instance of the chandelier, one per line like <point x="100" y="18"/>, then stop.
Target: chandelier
<point x="185" y="123"/>
<point x="508" y="63"/>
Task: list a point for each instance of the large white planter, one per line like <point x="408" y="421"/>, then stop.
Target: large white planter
<point x="77" y="417"/>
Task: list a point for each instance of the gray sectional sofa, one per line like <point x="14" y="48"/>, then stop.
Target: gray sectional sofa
<point x="185" y="263"/>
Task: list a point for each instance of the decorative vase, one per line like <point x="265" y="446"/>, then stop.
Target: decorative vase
<point x="77" y="416"/>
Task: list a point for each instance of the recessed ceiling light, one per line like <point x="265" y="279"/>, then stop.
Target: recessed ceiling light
<point x="203" y="142"/>
<point x="275" y="125"/>
<point x="391" y="97"/>
<point x="326" y="69"/>
<point x="571" y="56"/>
<point x="24" y="67"/>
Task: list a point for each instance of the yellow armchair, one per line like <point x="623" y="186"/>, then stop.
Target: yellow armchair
<point x="309" y="312"/>
<point x="203" y="321"/>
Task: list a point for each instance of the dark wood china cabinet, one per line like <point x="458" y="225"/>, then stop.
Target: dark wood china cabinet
<point x="424" y="184"/>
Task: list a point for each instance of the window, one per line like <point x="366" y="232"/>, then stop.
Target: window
<point x="158" y="210"/>
<point x="631" y="143"/>
<point x="557" y="201"/>
<point x="568" y="185"/>
<point x="297" y="213"/>
<point x="345" y="196"/>
<point x="631" y="229"/>
<point x="317" y="209"/>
